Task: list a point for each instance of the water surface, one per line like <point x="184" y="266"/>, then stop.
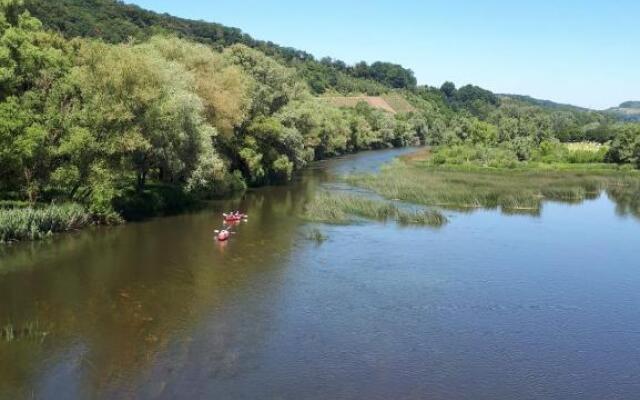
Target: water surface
<point x="488" y="307"/>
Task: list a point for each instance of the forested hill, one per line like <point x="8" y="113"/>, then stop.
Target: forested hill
<point x="546" y="103"/>
<point x="629" y="110"/>
<point x="116" y="22"/>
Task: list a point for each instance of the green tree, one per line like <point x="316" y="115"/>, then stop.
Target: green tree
<point x="31" y="60"/>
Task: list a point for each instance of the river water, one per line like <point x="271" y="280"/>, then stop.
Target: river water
<point x="490" y="306"/>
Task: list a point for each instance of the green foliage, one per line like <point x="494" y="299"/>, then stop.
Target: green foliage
<point x="496" y="157"/>
<point x="625" y="148"/>
<point x="274" y="84"/>
<point x="222" y="86"/>
<point x="392" y="75"/>
<point x="117" y="22"/>
<point x="31" y="60"/>
<point x="154" y="200"/>
<point x="146" y="109"/>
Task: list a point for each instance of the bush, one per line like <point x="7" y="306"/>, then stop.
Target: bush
<point x="625" y="148"/>
<point x="497" y="157"/>
<point x="155" y="200"/>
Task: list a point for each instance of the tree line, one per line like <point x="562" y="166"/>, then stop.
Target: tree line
<point x="108" y="125"/>
<point x="116" y="22"/>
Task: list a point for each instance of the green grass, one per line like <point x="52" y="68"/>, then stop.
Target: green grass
<point x="341" y="208"/>
<point x="398" y="103"/>
<point x="35" y="223"/>
<point x="424" y="217"/>
<point x="510" y="190"/>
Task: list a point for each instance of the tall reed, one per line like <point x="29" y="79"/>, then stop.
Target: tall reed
<point x="340" y="208"/>
<point x="508" y="190"/>
<point x="35" y="223"/>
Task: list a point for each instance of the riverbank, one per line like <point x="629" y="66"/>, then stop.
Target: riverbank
<point x="21" y="220"/>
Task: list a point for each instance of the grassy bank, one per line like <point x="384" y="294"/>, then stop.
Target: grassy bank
<point x="522" y="189"/>
<point x="35" y="223"/>
<point x="341" y="208"/>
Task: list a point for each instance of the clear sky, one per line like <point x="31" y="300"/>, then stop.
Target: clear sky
<point x="582" y="52"/>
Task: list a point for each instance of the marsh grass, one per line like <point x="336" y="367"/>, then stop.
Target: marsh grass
<point x="424" y="217"/>
<point x="36" y="223"/>
<point x="511" y="191"/>
<point x="341" y="208"/>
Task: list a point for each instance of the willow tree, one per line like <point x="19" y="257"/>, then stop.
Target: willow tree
<point x="222" y="86"/>
<point x="274" y="84"/>
<point x="145" y="112"/>
<point x="31" y="61"/>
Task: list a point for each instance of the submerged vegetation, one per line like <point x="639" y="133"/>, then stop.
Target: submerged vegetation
<point x="316" y="235"/>
<point x="341" y="208"/>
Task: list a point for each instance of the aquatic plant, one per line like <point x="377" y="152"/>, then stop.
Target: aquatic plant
<point x="423" y="217"/>
<point x="474" y="187"/>
<point x="34" y="223"/>
<point x="316" y="235"/>
<point x="341" y="208"/>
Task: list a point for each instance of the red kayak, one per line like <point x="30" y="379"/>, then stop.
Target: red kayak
<point x="223" y="235"/>
<point x="231" y="217"/>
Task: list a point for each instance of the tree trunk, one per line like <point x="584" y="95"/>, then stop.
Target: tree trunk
<point x="142" y="178"/>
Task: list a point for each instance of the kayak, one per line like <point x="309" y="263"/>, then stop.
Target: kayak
<point x="223" y="235"/>
<point x="234" y="217"/>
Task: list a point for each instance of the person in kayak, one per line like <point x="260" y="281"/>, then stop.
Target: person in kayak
<point x="223" y="234"/>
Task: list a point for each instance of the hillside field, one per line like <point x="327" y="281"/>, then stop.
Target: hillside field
<point x="393" y="103"/>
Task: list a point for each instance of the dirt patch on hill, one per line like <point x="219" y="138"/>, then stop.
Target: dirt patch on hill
<point x="352" y="101"/>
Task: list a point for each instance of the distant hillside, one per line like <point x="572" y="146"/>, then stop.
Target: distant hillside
<point x="545" y="103"/>
<point x="629" y="110"/>
<point x="115" y="22"/>
<point x="630" y="104"/>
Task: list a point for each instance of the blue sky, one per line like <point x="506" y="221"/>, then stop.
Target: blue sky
<point x="578" y="52"/>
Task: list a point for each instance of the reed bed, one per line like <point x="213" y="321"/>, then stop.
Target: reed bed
<point x="36" y="223"/>
<point x="341" y="208"/>
<point x="508" y="190"/>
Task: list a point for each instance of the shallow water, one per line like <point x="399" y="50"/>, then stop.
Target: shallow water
<point x="489" y="306"/>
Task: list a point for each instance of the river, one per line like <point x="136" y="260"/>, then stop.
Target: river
<point x="490" y="306"/>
